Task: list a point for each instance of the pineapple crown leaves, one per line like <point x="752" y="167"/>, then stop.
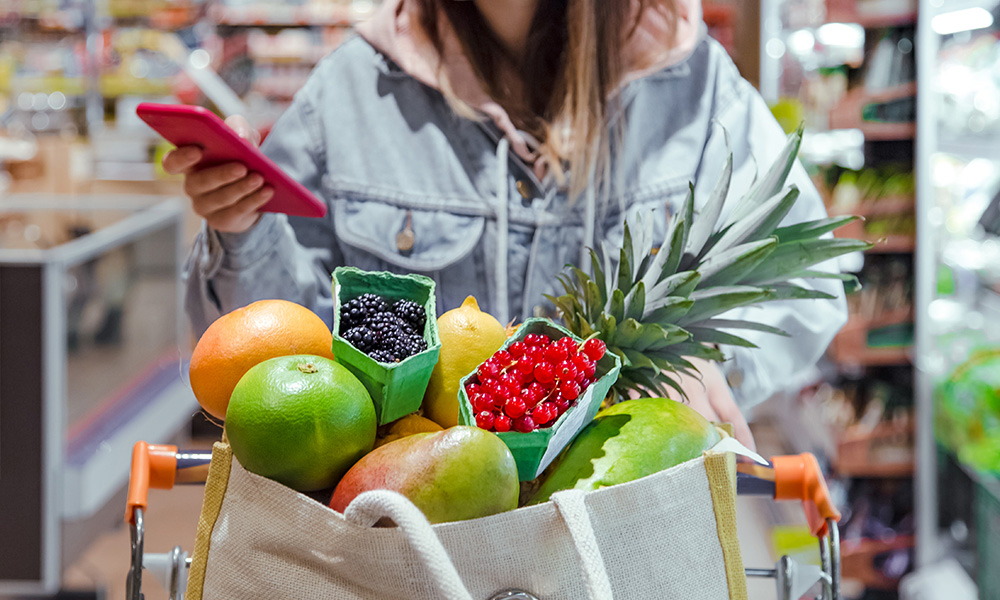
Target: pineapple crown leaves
<point x="656" y="308"/>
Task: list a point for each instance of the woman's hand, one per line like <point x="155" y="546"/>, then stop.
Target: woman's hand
<point x="711" y="397"/>
<point x="226" y="195"/>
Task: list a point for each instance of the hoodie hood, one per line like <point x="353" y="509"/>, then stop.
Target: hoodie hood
<point x="395" y="31"/>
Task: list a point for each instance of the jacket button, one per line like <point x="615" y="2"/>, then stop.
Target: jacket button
<point x="524" y="189"/>
<point x="406" y="238"/>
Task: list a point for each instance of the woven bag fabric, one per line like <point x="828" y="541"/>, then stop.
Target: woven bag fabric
<point x="657" y="537"/>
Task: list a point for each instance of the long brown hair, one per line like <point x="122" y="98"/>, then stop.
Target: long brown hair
<point x="573" y="63"/>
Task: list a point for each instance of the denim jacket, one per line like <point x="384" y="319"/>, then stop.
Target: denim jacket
<point x="387" y="152"/>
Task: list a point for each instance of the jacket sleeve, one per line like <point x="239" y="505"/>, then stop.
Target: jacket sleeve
<point x="754" y="374"/>
<point x="226" y="271"/>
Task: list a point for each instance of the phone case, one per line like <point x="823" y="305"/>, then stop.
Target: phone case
<point x="184" y="125"/>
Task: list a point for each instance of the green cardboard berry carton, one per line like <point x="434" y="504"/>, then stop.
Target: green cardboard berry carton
<point x="397" y="389"/>
<point x="534" y="451"/>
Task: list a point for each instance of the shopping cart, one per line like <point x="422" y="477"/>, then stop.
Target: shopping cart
<point x="785" y="478"/>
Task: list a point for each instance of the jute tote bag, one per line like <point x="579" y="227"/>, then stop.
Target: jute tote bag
<point x="669" y="535"/>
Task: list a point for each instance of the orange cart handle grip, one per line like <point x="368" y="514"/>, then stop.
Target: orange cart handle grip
<point x="152" y="466"/>
<point x="800" y="478"/>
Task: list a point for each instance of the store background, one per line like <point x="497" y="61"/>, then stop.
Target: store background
<point x="904" y="412"/>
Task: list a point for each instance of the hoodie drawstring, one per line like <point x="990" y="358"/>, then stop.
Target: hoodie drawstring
<point x="503" y="235"/>
<point x="589" y="223"/>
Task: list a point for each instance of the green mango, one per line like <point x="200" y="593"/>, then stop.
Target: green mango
<point x="628" y="441"/>
<point x="452" y="475"/>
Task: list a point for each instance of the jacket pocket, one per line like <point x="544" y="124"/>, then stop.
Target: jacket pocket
<point x="368" y="229"/>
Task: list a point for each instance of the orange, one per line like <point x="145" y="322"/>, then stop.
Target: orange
<point x="300" y="420"/>
<point x="247" y="336"/>
<point x="407" y="426"/>
<point x="469" y="336"/>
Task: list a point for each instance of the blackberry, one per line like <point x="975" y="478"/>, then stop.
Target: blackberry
<point x="387" y="328"/>
<point x="411" y="312"/>
<point x="417" y="344"/>
<point x="357" y="311"/>
<point x="408" y="345"/>
<point x="386" y="333"/>
<point x="382" y="356"/>
<point x="361" y="337"/>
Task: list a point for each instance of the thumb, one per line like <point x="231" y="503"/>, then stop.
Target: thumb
<point x="242" y="127"/>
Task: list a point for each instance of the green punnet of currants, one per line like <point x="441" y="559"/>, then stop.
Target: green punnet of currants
<point x="533" y="382"/>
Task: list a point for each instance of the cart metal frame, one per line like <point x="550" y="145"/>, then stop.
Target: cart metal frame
<point x="795" y="477"/>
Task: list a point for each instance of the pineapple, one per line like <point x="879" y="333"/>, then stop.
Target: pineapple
<point x="657" y="309"/>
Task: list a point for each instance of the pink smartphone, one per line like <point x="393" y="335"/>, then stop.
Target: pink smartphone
<point x="184" y="125"/>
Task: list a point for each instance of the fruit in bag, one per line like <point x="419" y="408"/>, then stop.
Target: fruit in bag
<point x="452" y="475"/>
<point x="248" y="336"/>
<point x="627" y="441"/>
<point x="300" y="420"/>
<point x="407" y="426"/>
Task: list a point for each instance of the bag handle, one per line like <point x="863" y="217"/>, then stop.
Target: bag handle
<point x="369" y="507"/>
<point x="573" y="510"/>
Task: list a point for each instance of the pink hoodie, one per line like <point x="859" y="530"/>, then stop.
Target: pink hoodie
<point x="395" y="31"/>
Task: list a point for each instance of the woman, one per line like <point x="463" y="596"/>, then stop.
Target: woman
<point x="501" y="138"/>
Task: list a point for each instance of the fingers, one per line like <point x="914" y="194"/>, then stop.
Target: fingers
<point x="698" y="400"/>
<point x="725" y="406"/>
<point x="228" y="195"/>
<point x="743" y="434"/>
<point x="179" y="160"/>
<point x="242" y="127"/>
<point x="241" y="215"/>
<point x="199" y="183"/>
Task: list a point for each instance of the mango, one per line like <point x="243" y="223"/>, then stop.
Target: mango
<point x="452" y="475"/>
<point x="628" y="441"/>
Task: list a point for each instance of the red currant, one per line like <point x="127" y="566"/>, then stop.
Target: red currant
<point x="537" y="391"/>
<point x="544" y="373"/>
<point x="568" y="344"/>
<point x="562" y="405"/>
<point x="503" y="359"/>
<point x="514" y="407"/>
<point x="472" y="389"/>
<point x="510" y="383"/>
<point x="485" y="419"/>
<point x="581" y="362"/>
<point x="555" y="354"/>
<point x="570" y="390"/>
<point x="565" y="371"/>
<point x="525" y="424"/>
<point x="502" y="422"/>
<point x="542" y="413"/>
<point x="493" y="388"/>
<point x="528" y="398"/>
<point x="488" y="370"/>
<point x="482" y="402"/>
<point x="517" y="349"/>
<point x="525" y="366"/>
<point x="536" y="339"/>
<point x="594" y="349"/>
<point x="535" y="354"/>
